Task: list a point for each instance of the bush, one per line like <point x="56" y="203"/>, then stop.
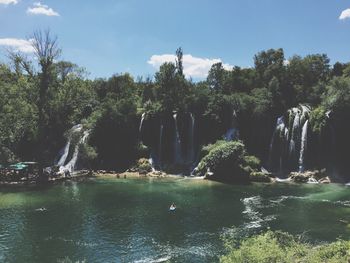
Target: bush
<point x="207" y="148"/>
<point x="318" y="119"/>
<point x="284" y="248"/>
<point x="227" y="161"/>
<point x="251" y="163"/>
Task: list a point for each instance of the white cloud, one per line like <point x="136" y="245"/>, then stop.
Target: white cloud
<point x="18" y="44"/>
<point x="194" y="67"/>
<point x="7" y="2"/>
<point x="345" y="14"/>
<point x="40" y="9"/>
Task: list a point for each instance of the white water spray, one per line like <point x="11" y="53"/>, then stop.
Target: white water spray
<point x="177" y="142"/>
<point x="70" y="166"/>
<point x="303" y="146"/>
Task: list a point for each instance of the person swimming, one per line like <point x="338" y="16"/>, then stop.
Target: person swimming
<point x="41" y="209"/>
<point x="172" y="207"/>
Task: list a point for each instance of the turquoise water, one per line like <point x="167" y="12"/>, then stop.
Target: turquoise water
<point x="127" y="220"/>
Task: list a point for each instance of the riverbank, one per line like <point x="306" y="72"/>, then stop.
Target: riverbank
<point x="308" y="177"/>
<point x="84" y="175"/>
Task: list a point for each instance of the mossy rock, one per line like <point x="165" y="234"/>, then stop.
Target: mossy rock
<point x="260" y="177"/>
<point x="142" y="166"/>
<point x="227" y="162"/>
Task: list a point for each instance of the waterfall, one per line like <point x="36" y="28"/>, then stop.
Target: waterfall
<point x="191" y="141"/>
<point x="65" y="151"/>
<point x="151" y="159"/>
<point x="280" y="126"/>
<point x="232" y="133"/>
<point x="177" y="142"/>
<point x="70" y="166"/>
<point x="289" y="141"/>
<point x="64" y="155"/>
<point x="295" y="128"/>
<point x="141" y="122"/>
<point x="303" y="146"/>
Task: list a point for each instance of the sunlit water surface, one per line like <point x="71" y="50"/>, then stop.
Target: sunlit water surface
<point x="127" y="220"/>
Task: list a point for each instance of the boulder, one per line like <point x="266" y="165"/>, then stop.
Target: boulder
<point x="316" y="176"/>
<point x="325" y="180"/>
<point x="260" y="177"/>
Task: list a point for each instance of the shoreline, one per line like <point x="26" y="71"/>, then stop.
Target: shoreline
<point x="85" y="175"/>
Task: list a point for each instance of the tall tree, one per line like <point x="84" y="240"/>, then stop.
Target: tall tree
<point x="179" y="60"/>
<point x="216" y="77"/>
<point x="269" y="64"/>
<point x="46" y="51"/>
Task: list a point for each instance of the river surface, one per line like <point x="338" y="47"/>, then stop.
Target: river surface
<point x="127" y="220"/>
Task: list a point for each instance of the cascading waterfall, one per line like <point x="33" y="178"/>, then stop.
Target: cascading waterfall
<point x="152" y="157"/>
<point x="190" y="159"/>
<point x="177" y="143"/>
<point x="281" y="131"/>
<point x="295" y="129"/>
<point x="70" y="166"/>
<point x="64" y="155"/>
<point x="303" y="146"/>
<point x="289" y="142"/>
<point x="65" y="151"/>
<point x="232" y="133"/>
<point x="141" y="122"/>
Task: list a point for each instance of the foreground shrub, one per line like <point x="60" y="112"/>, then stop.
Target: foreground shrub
<point x="284" y="248"/>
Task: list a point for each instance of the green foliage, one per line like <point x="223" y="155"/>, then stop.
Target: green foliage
<point x="114" y="134"/>
<point x="252" y="162"/>
<point x="18" y="116"/>
<point x="269" y="64"/>
<point x="87" y="154"/>
<point x="262" y="102"/>
<point x="39" y="104"/>
<point x="207" y="148"/>
<point x="283" y="248"/>
<point x="216" y="77"/>
<point x="171" y="87"/>
<point x="318" y="119"/>
<point x="152" y="109"/>
<point x="227" y="161"/>
<point x="337" y="95"/>
<point x="143" y="166"/>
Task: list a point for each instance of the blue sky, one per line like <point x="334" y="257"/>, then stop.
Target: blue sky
<point x="114" y="36"/>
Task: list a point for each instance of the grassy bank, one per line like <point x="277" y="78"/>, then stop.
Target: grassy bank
<point x="284" y="248"/>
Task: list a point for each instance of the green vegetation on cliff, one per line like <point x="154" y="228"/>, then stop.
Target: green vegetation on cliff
<point x="42" y="98"/>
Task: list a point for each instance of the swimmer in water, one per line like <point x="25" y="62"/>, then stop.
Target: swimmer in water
<point x="41" y="209"/>
<point x="172" y="207"/>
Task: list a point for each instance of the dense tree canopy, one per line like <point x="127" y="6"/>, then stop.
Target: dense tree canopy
<point x="38" y="103"/>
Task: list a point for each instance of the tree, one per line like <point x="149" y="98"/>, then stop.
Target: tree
<point x="269" y="64"/>
<point x="166" y="80"/>
<point x="64" y="68"/>
<point x="216" y="77"/>
<point x="179" y="57"/>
